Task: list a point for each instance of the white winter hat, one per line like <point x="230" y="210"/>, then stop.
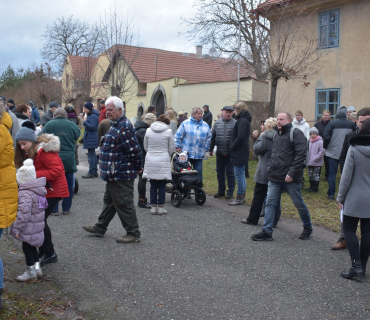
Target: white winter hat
<point x="26" y="173"/>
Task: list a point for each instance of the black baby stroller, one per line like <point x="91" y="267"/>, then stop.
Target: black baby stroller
<point x="182" y="182"/>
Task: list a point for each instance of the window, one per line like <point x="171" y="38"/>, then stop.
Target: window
<point x="327" y="99"/>
<point x="329" y="28"/>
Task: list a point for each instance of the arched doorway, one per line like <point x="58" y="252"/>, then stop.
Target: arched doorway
<point x="159" y="100"/>
<point x="140" y="111"/>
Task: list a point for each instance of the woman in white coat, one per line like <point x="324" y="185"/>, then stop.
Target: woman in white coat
<point x="159" y="146"/>
<point x="300" y="123"/>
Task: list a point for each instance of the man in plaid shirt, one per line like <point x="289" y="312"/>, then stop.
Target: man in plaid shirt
<point x="194" y="137"/>
<point x="120" y="160"/>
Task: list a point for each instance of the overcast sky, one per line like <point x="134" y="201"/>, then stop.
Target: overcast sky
<point x="23" y="23"/>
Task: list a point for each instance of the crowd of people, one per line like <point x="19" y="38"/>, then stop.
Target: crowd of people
<point x="38" y="161"/>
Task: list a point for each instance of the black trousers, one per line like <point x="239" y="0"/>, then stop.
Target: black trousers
<point x="47" y="233"/>
<point x="356" y="251"/>
<point x="30" y="253"/>
<point x="223" y="165"/>
<point x="141" y="186"/>
<point x="259" y="196"/>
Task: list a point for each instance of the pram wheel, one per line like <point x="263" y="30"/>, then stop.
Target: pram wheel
<point x="176" y="198"/>
<point x="75" y="190"/>
<point x="200" y="196"/>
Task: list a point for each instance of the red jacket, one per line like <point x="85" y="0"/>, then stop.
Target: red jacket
<point x="49" y="165"/>
<point x="103" y="113"/>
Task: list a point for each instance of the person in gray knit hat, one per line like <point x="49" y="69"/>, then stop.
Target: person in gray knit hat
<point x="315" y="159"/>
<point x="333" y="141"/>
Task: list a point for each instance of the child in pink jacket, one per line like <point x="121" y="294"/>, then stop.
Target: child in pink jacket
<point x="315" y="159"/>
<point x="29" y="226"/>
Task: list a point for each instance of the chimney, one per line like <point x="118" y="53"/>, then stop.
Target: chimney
<point x="199" y="51"/>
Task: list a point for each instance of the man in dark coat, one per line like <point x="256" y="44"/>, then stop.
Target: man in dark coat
<point x="284" y="171"/>
<point x="207" y="116"/>
<point x="333" y="142"/>
<point x="221" y="134"/>
<point x="321" y="126"/>
<point x="35" y="113"/>
<point x="68" y="134"/>
<point x="140" y="130"/>
<point x="49" y="114"/>
<point x="90" y="138"/>
<point x="362" y="115"/>
<point x="239" y="149"/>
<point x="11" y="105"/>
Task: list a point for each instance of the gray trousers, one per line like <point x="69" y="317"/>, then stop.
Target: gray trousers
<point x="119" y="198"/>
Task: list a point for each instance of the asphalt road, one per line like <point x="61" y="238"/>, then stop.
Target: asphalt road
<point x="198" y="262"/>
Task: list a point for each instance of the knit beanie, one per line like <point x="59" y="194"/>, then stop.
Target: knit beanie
<point x="26" y="173"/>
<point x="26" y="132"/>
<point x="89" y="106"/>
<point x="342" y="109"/>
<point x="150" y="118"/>
<point x="351" y="108"/>
<point x="314" y="130"/>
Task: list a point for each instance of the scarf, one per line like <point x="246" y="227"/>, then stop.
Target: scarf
<point x="71" y="115"/>
<point x="314" y="140"/>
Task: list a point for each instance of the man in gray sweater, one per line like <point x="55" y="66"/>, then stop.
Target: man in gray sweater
<point x="221" y="134"/>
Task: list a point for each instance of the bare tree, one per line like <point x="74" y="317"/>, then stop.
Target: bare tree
<point x="216" y="25"/>
<point x="120" y="42"/>
<point x="78" y="87"/>
<point x="294" y="50"/>
<point x="69" y="36"/>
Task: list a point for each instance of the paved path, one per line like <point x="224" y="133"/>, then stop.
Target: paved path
<point x="198" y="262"/>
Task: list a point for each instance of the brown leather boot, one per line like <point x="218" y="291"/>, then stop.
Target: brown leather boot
<point x="340" y="245"/>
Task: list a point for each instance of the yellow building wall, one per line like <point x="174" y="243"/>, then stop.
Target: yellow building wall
<point x="345" y="67"/>
<point x="99" y="90"/>
<point x="67" y="91"/>
<point x="216" y="95"/>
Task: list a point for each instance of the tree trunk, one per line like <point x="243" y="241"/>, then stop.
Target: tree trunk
<point x="274" y="84"/>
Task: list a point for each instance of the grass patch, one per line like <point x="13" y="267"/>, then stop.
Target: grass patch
<point x="323" y="211"/>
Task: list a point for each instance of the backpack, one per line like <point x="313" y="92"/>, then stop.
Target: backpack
<point x="291" y="138"/>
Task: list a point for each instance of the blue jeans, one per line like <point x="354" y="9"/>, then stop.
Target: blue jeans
<point x="273" y="200"/>
<point x="158" y="191"/>
<point x="240" y="178"/>
<point x="93" y="161"/>
<point x="67" y="202"/>
<point x="223" y="165"/>
<point x="1" y="267"/>
<point x="333" y="169"/>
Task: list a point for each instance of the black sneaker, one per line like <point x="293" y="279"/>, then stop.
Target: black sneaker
<point x="88" y="176"/>
<point x="188" y="196"/>
<point x="219" y="194"/>
<point x="229" y="196"/>
<point x="262" y="236"/>
<point x="330" y="197"/>
<point x="306" y="234"/>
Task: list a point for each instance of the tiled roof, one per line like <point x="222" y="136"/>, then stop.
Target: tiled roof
<point x="150" y="65"/>
<point x="82" y="66"/>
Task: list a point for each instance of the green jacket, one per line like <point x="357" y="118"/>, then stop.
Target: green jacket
<point x="68" y="133"/>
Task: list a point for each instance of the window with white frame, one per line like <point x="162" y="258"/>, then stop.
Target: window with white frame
<point x="329" y="29"/>
<point x="327" y="99"/>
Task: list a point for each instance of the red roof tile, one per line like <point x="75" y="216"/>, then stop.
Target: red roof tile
<point x="82" y="67"/>
<point x="150" y="65"/>
<point x="270" y="4"/>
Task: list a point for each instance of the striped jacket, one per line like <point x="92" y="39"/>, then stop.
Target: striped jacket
<point x="194" y="137"/>
<point x="120" y="155"/>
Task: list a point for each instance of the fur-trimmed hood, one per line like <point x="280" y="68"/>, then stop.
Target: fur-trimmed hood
<point x="362" y="143"/>
<point x="49" y="142"/>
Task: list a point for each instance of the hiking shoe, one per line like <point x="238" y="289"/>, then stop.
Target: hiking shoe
<point x="55" y="213"/>
<point x="88" y="176"/>
<point x="245" y="221"/>
<point x="262" y="236"/>
<point x="340" y="245"/>
<point x="128" y="239"/>
<point x="66" y="212"/>
<point x="306" y="234"/>
<point x="229" y="196"/>
<point x="330" y="197"/>
<point x="219" y="194"/>
<point x="92" y="229"/>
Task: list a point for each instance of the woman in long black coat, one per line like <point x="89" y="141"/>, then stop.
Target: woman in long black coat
<point x="239" y="149"/>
